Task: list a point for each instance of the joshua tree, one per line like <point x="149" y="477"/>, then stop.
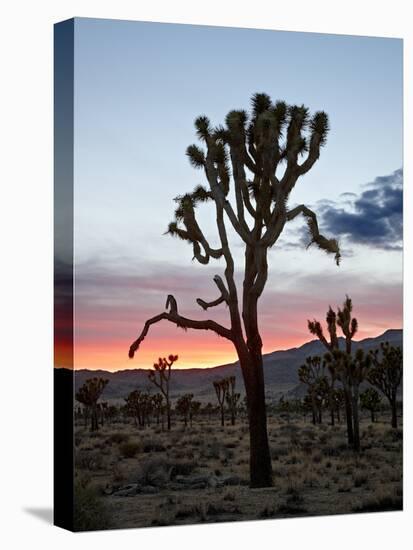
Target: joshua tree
<point x="352" y="372"/>
<point x="89" y="394"/>
<point x="370" y="400"/>
<point x="183" y="406"/>
<point x="157" y="401"/>
<point x="194" y="410"/>
<point x="336" y="401"/>
<point x="161" y="377"/>
<point x="349" y="327"/>
<point x="386" y="374"/>
<point x="261" y="155"/>
<point x="232" y="399"/>
<point x="285" y="407"/>
<point x="221" y="389"/>
<point x="208" y="409"/>
<point x="311" y="373"/>
<point x="112" y="413"/>
<point x="135" y="404"/>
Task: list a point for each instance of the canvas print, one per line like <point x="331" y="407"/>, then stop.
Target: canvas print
<point x="228" y="274"/>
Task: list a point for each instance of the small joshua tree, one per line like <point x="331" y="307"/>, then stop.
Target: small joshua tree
<point x="136" y="404"/>
<point x="194" y="410"/>
<point x="161" y="377"/>
<point x="370" y="400"/>
<point x="183" y="406"/>
<point x="208" y="409"/>
<point x="89" y="394"/>
<point x="232" y="399"/>
<point x="352" y="371"/>
<point x="349" y="327"/>
<point x="285" y="407"/>
<point x="221" y="388"/>
<point x="261" y="155"/>
<point x="311" y="373"/>
<point x="336" y="401"/>
<point x="386" y="374"/>
<point x="157" y="401"/>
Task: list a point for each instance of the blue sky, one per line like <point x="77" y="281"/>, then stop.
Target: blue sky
<point x="138" y="89"/>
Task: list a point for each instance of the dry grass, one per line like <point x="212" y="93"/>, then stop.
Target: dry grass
<point x="314" y="471"/>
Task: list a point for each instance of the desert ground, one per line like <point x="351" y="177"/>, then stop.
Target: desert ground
<point x="131" y="477"/>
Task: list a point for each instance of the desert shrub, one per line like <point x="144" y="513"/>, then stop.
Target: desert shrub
<point x="182" y="469"/>
<point x="88" y="460"/>
<point x="317" y="458"/>
<point x="278" y="450"/>
<point x="118" y="437"/>
<point x="117" y="474"/>
<point x="293" y="459"/>
<point x="212" y="451"/>
<point x="360" y="479"/>
<point x="289" y="428"/>
<point x="90" y="513"/>
<point x="216" y="509"/>
<point x="153" y="446"/>
<point x="394" y="435"/>
<point x="95" y="435"/>
<point x="155" y="471"/>
<point x="308" y="433"/>
<point x="335" y="450"/>
<point x="129" y="449"/>
<point x="293" y="506"/>
<point x="195" y="441"/>
<point x="229" y="496"/>
<point x="266" y="513"/>
<point x="381" y="503"/>
<point x="187" y="512"/>
<point x="227" y="454"/>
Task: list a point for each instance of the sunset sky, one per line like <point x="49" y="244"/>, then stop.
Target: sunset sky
<point x="138" y="89"/>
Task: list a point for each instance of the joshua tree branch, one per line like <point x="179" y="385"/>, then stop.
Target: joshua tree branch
<point x="206" y="305"/>
<point x="224" y="297"/>
<point x="183" y="322"/>
<point x="221" y="200"/>
<point x="312" y="157"/>
<point x="241" y="189"/>
<point x="330" y="246"/>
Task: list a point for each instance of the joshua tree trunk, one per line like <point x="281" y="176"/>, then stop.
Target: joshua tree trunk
<point x="168" y="414"/>
<point x="313" y="408"/>
<point x="94" y="421"/>
<point x="222" y="416"/>
<point x="393" y="405"/>
<point x="372" y="416"/>
<point x="349" y="416"/>
<point x="356" y="428"/>
<point x="260" y="458"/>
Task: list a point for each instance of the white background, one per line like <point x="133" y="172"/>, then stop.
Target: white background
<point x="26" y="244"/>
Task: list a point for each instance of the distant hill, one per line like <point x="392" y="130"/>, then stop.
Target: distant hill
<point x="280" y="371"/>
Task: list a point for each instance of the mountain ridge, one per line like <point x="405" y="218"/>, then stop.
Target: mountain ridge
<point x="280" y="370"/>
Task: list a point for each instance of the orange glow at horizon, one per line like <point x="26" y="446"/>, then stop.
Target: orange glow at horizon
<point x="198" y="351"/>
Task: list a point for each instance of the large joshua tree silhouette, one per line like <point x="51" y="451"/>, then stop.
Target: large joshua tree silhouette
<point x="260" y="155"/>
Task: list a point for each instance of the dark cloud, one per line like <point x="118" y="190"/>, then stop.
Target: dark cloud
<point x="376" y="215"/>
